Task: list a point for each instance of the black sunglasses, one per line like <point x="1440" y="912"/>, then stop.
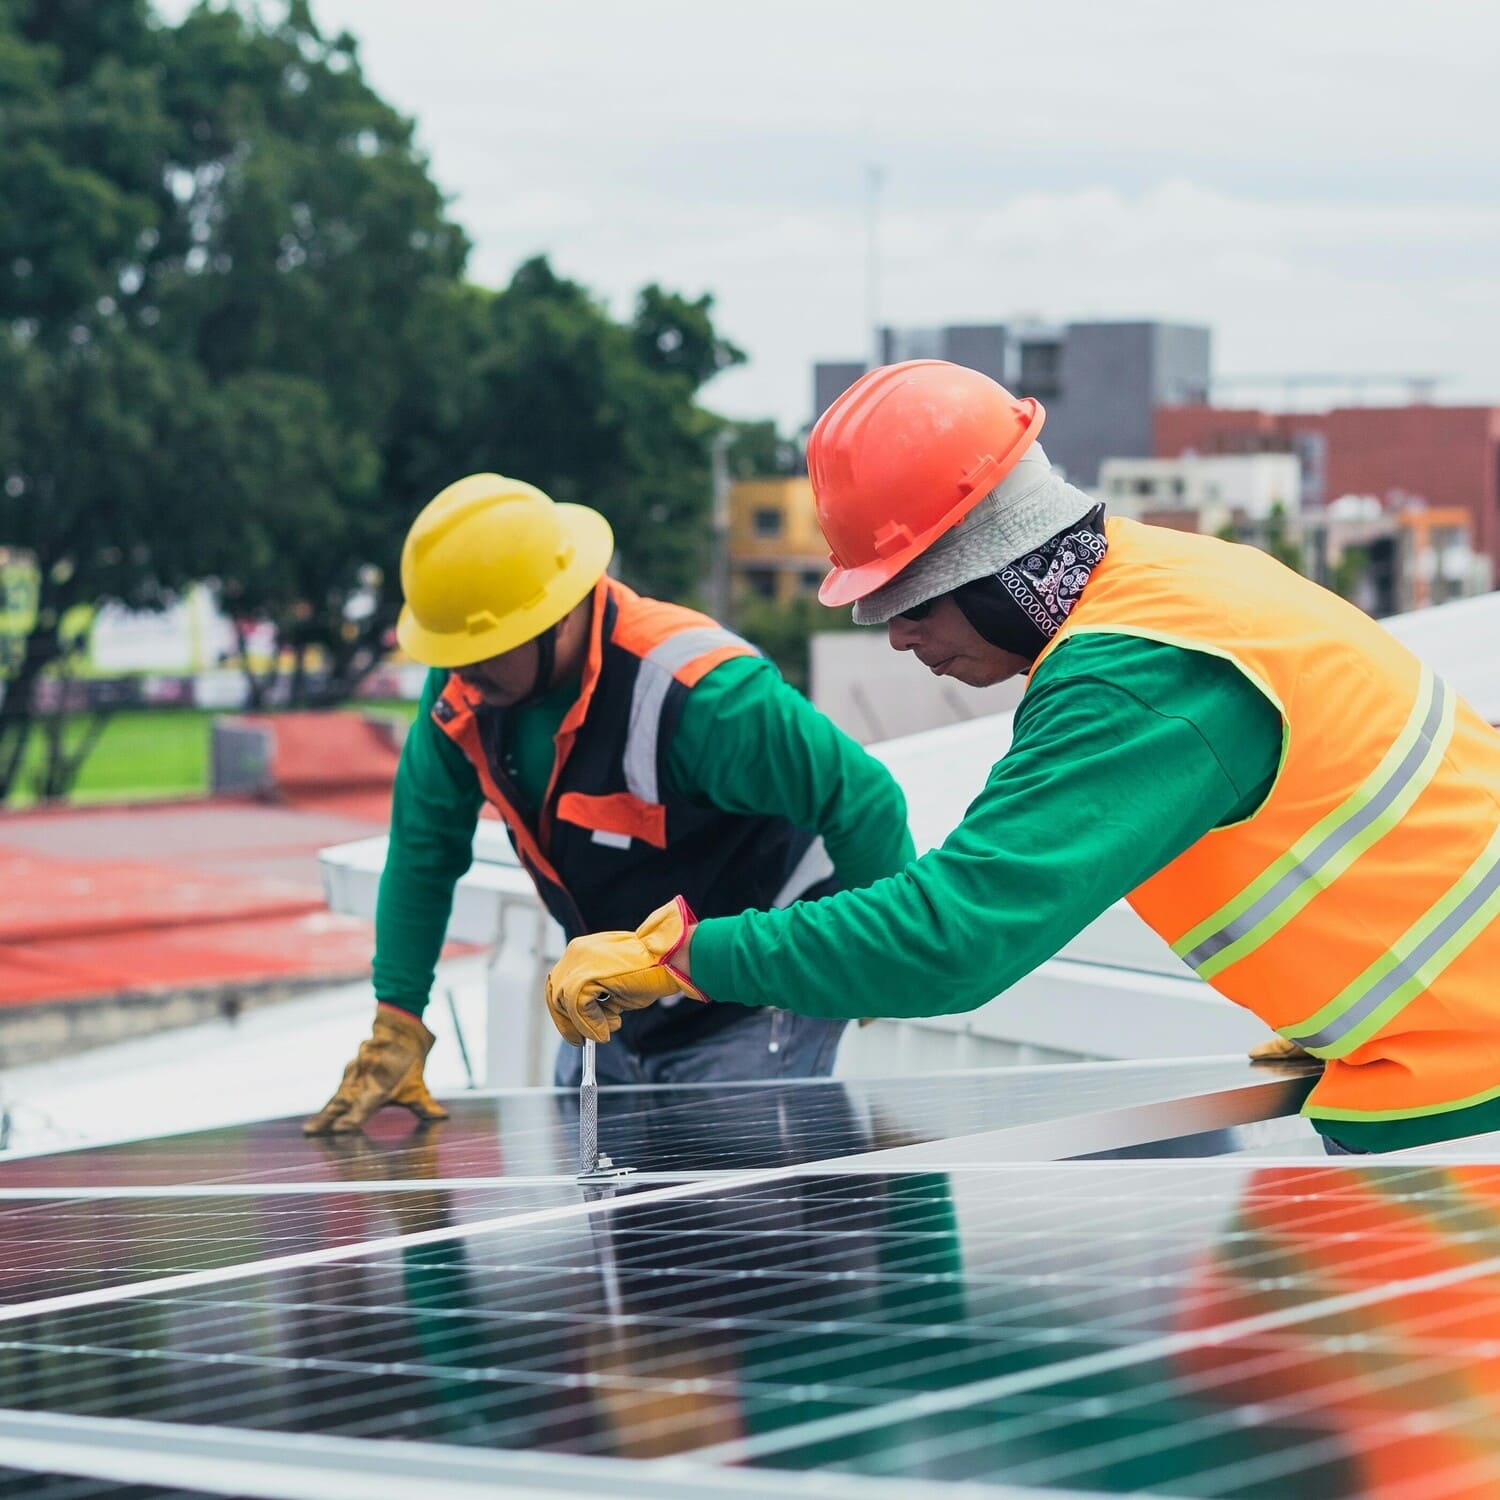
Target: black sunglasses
<point x="917" y="611"/>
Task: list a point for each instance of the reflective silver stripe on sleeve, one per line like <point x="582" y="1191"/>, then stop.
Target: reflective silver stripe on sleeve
<point x="652" y="683"/>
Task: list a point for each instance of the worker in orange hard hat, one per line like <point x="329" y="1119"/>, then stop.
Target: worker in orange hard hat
<point x="1296" y="804"/>
<point x="636" y="750"/>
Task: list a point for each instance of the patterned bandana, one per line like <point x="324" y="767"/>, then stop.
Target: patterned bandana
<point x="1022" y="607"/>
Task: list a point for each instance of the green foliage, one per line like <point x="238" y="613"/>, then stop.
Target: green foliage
<point x="86" y="495"/>
<point x="757" y="450"/>
<point x="1280" y="543"/>
<point x="1274" y="535"/>
<point x="235" y="343"/>
<point x="152" y="752"/>
<point x="784" y="631"/>
<point x="539" y="382"/>
<point x="673" y="336"/>
<point x="1349" y="573"/>
<point x="213" y="240"/>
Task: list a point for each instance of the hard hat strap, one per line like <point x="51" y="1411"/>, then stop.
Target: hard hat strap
<point x="546" y="664"/>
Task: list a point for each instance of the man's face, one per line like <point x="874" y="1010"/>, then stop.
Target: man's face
<point x="502" y="681"/>
<point x="948" y="646"/>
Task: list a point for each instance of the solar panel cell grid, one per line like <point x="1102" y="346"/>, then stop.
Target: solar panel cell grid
<point x="57" y="1247"/>
<point x="1218" y="1329"/>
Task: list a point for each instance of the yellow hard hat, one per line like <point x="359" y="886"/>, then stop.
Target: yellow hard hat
<point x="491" y="563"/>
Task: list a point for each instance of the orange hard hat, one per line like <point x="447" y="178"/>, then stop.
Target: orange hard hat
<point x="903" y="456"/>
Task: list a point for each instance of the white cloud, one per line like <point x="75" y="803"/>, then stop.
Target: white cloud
<point x="1317" y="182"/>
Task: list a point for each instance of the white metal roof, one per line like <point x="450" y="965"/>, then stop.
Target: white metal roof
<point x="1461" y="642"/>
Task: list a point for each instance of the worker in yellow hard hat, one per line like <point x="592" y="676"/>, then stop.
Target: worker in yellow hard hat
<point x="1301" y="808"/>
<point x="636" y="750"/>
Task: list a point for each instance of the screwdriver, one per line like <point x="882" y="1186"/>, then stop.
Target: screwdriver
<point x="588" y="1115"/>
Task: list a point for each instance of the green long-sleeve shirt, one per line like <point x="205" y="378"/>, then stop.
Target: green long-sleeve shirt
<point x="1125" y="752"/>
<point x="746" y="743"/>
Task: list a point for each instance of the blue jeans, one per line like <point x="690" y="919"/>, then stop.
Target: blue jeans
<point x="765" y="1044"/>
<point x="1338" y="1148"/>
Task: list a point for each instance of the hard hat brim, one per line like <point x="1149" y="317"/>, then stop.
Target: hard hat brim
<point x="593" y="546"/>
<point x="847" y="585"/>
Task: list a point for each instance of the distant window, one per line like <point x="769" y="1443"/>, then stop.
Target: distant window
<point x="1179" y="487"/>
<point x="767" y="521"/>
<point x="1041" y="369"/>
<point x="761" y="582"/>
<point x="812" y="579"/>
<point x="1145" y="487"/>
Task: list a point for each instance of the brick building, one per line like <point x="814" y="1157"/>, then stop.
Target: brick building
<point x="1445" y="456"/>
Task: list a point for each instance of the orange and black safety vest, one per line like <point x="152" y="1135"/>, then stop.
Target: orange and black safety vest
<point x="1357" y="909"/>
<point x="612" y="841"/>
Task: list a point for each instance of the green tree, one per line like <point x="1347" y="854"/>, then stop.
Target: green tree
<point x="1279" y="541"/>
<point x="758" y="450"/>
<point x="214" y="241"/>
<point x="1274" y="535"/>
<point x="308" y="524"/>
<point x="317" y="246"/>
<point x="785" y="631"/>
<point x="540" y="382"/>
<point x="88" y="406"/>
<point x="237" y="345"/>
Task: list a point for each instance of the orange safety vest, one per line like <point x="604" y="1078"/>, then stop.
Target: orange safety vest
<point x="612" y="840"/>
<point x="1356" y="1311"/>
<point x="1357" y="910"/>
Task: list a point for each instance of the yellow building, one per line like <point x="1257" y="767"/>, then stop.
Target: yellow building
<point x="776" y="551"/>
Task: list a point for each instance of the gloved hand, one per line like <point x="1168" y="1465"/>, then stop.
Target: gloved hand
<point x="387" y="1069"/>
<point x="605" y="973"/>
<point x="1278" y="1049"/>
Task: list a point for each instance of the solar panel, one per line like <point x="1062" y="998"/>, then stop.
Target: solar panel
<point x="17" y="1484"/>
<point x="59" y="1247"/>
<point x="1221" y="1327"/>
<point x="673" y="1130"/>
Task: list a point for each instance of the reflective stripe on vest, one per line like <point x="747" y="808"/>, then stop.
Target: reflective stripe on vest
<point x="1356" y="908"/>
<point x="1333" y="844"/>
<point x="653" y="682"/>
<point x="1421" y="953"/>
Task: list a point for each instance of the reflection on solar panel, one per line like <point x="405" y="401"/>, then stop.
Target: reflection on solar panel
<point x="681" y="1129"/>
<point x="797" y="1311"/>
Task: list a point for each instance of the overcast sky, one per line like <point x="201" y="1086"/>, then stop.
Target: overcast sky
<point x="1319" y="181"/>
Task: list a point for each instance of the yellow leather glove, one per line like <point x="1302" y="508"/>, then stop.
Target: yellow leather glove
<point x="387" y="1069"/>
<point x="605" y="973"/>
<point x="1278" y="1049"/>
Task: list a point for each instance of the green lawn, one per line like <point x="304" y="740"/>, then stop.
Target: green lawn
<point x="145" y="753"/>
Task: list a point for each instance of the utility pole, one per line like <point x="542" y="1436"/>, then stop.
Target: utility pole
<point x="874" y="181"/>
<point x="718" y="577"/>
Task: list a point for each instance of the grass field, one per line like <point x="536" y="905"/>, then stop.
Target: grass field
<point x="159" y="752"/>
